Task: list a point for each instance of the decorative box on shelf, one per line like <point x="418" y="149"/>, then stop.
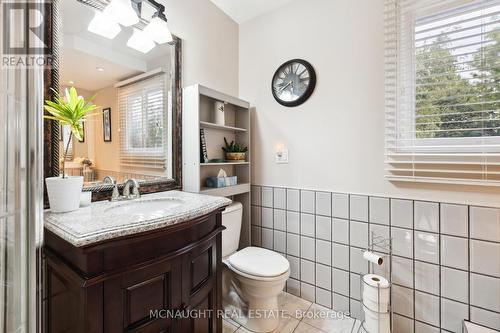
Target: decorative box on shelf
<point x="222" y="180"/>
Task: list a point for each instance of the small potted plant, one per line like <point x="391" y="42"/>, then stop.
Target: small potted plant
<point x="234" y="152"/>
<point x="72" y="110"/>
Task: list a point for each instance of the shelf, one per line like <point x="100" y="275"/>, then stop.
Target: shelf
<point x="225" y="163"/>
<point x="226" y="191"/>
<point x="205" y="124"/>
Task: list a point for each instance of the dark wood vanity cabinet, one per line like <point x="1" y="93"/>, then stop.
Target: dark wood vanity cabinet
<point x="164" y="281"/>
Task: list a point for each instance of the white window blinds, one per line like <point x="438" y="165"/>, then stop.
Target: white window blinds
<point x="143" y="125"/>
<point x="443" y="91"/>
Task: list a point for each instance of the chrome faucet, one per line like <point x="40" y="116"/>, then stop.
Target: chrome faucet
<point x="135" y="190"/>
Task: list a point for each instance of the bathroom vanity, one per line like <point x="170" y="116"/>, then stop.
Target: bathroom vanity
<point x="121" y="267"/>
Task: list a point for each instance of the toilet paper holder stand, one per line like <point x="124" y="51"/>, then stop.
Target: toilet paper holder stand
<point x="383" y="246"/>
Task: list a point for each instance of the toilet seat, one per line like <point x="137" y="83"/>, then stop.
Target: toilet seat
<point x="259" y="263"/>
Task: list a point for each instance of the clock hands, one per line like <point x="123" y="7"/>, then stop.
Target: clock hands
<point x="285" y="86"/>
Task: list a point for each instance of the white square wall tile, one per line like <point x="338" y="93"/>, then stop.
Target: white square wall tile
<point x="340" y="281"/>
<point x="424" y="328"/>
<point x="427" y="216"/>
<point x="358" y="264"/>
<point x="307" y="271"/>
<point x="402" y="242"/>
<point x="256" y="236"/>
<point x="358" y="208"/>
<point x="340" y="303"/>
<point x="485" y="257"/>
<point x="307" y="225"/>
<point x="307" y="246"/>
<point x="256" y="215"/>
<point x="293" y="222"/>
<point x="356" y="309"/>
<point x="293" y="200"/>
<point x="294" y="267"/>
<point x="267" y="238"/>
<point x="256" y="195"/>
<point x="485" y="223"/>
<point x="279" y="198"/>
<point x="324" y="252"/>
<point x="293" y="245"/>
<point x="323" y="276"/>
<point x="454" y="220"/>
<point x="340" y="256"/>
<point x="267" y="197"/>
<point x="452" y="315"/>
<point x="324" y="203"/>
<point x="427" y="247"/>
<point x="293" y="287"/>
<point x="402" y="300"/>
<point x="379" y="210"/>
<point x="485" y="318"/>
<point x="280" y="219"/>
<point x="427" y="277"/>
<point x="402" y="271"/>
<point x="484" y="291"/>
<point x="340" y="231"/>
<point x="355" y="286"/>
<point x="427" y="308"/>
<point x="403" y="324"/>
<point x="359" y="234"/>
<point x="307" y="204"/>
<point x="340" y="205"/>
<point x="455" y="284"/>
<point x="323" y="227"/>
<point x="379" y="231"/>
<point x="307" y="292"/>
<point x="279" y="241"/>
<point x="324" y="297"/>
<point x="267" y="217"/>
<point x="402" y="213"/>
<point x="454" y="252"/>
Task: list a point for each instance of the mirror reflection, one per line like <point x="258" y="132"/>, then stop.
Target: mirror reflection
<point x="129" y="78"/>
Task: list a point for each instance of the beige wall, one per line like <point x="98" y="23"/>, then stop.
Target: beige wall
<point x="336" y="139"/>
<point x="210" y="42"/>
<point x="107" y="156"/>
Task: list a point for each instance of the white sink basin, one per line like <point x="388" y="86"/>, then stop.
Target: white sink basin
<point x="144" y="209"/>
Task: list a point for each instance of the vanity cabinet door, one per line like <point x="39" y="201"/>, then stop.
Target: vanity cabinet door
<point x="199" y="288"/>
<point x="139" y="300"/>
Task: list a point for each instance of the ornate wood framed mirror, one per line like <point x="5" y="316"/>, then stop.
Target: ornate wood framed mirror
<point x="137" y="87"/>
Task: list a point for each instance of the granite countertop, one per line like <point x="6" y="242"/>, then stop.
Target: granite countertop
<point x="105" y="220"/>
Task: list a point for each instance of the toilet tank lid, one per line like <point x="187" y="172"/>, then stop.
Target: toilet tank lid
<point x="259" y="262"/>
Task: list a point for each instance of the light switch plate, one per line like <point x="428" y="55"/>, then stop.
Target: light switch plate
<point x="282" y="156"/>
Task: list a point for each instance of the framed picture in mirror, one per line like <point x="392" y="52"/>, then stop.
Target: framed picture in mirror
<point x="106" y="124"/>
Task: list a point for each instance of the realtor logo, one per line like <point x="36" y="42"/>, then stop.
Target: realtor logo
<point x="23" y="40"/>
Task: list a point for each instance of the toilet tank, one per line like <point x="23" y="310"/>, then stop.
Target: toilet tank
<point x="231" y="219"/>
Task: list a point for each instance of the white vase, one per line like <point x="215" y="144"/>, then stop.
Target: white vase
<point x="64" y="194"/>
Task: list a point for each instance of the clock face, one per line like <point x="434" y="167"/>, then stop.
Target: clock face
<point x="294" y="82"/>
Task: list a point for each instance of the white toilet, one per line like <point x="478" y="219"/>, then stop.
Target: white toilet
<point x="252" y="277"/>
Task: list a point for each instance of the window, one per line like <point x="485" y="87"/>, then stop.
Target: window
<point x="143" y="125"/>
<point x="66" y="143"/>
<point x="443" y="91"/>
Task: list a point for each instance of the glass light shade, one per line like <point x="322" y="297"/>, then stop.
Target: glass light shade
<point x="158" y="31"/>
<point x="140" y="41"/>
<point x="104" y="26"/>
<point x="123" y="12"/>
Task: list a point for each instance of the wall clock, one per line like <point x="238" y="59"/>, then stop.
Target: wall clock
<point x="294" y="82"/>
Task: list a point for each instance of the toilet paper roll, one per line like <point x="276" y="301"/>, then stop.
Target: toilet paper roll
<point x="376" y="289"/>
<point x="377" y="322"/>
<point x="372" y="257"/>
<point x="374" y="306"/>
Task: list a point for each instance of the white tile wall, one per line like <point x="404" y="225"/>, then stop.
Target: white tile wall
<point x="435" y="286"/>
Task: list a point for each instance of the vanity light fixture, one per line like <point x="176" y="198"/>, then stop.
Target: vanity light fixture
<point x="140" y="41"/>
<point x="104" y="26"/>
<point x="123" y="12"/>
<point x="158" y="29"/>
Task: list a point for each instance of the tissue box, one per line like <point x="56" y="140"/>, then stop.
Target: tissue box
<point x="218" y="182"/>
